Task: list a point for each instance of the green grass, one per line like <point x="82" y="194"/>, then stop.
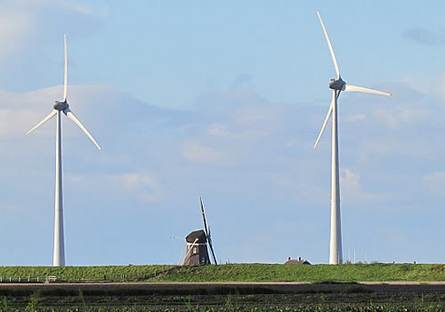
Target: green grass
<point x="234" y="272"/>
<point x="306" y="273"/>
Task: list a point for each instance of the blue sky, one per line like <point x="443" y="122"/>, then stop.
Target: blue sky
<point x="222" y="100"/>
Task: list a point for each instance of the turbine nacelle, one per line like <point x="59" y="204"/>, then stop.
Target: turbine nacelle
<point x="61" y="106"/>
<point x="337" y="84"/>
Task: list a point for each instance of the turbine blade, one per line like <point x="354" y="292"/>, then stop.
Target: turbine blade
<point x="73" y="117"/>
<point x="65" y="73"/>
<point x="326" y="119"/>
<point x="352" y="88"/>
<point x="331" y="49"/>
<point x="48" y="117"/>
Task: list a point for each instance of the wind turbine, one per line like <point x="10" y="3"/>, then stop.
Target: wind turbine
<point x="59" y="108"/>
<point x="337" y="85"/>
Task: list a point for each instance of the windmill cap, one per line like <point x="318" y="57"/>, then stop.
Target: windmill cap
<point x="198" y="234"/>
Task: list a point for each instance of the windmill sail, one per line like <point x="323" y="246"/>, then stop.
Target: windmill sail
<point x="207" y="231"/>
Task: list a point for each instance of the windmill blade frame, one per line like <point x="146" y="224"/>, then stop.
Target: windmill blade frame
<point x="207" y="231"/>
<point x="209" y="241"/>
<point x="204" y="218"/>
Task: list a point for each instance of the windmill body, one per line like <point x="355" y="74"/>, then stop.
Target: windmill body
<point x="197" y="241"/>
<point x="59" y="109"/>
<point x="337" y="85"/>
<point x="196" y="249"/>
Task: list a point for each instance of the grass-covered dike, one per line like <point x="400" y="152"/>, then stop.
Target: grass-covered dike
<point x="230" y="273"/>
<point x="329" y="288"/>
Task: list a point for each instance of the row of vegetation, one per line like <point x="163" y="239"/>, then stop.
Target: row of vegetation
<point x="35" y="307"/>
<point x="230" y="272"/>
<point x="39" y="303"/>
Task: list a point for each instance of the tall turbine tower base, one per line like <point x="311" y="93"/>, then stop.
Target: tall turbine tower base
<point x="58" y="243"/>
<point x="335" y="248"/>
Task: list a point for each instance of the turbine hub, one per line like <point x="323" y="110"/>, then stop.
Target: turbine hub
<point x="337" y="84"/>
<point x="61" y="106"/>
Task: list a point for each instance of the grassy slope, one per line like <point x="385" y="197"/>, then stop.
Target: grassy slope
<point x="236" y="272"/>
<point x="313" y="273"/>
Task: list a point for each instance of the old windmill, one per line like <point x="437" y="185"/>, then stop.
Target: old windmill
<point x="196" y="244"/>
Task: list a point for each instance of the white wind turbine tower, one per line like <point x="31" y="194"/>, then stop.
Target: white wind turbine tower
<point x="337" y="85"/>
<point x="59" y="108"/>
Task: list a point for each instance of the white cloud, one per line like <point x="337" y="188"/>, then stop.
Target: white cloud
<point x="200" y="153"/>
<point x="401" y="117"/>
<point x="440" y="87"/>
<point x="252" y="116"/>
<point x="352" y="188"/>
<point x="351" y="181"/>
<point x="145" y="186"/>
<point x="247" y="123"/>
<point x="234" y="132"/>
<point x="15" y="28"/>
<point x="25" y="22"/>
<point x="434" y="182"/>
<point x="354" y="118"/>
<point x="218" y="130"/>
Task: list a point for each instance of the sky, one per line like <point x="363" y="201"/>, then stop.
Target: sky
<point x="222" y="100"/>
